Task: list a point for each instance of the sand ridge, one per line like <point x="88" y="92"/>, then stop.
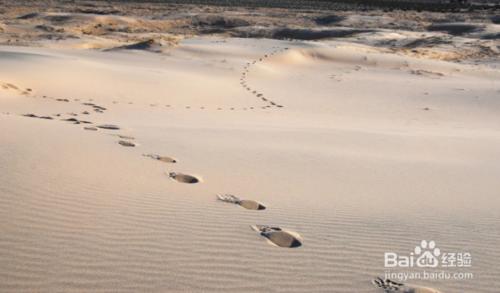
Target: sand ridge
<point x="106" y="117"/>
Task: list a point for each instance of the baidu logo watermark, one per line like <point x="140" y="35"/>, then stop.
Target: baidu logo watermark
<point x="432" y="260"/>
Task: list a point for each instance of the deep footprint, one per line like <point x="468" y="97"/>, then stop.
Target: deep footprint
<point x="247" y="204"/>
<point x="183" y="178"/>
<point x="278" y="236"/>
<point x="126" y="143"/>
<point x="390" y="286"/>
<point x="39" y="117"/>
<point x="161" y="158"/>
<point x="74" y="120"/>
<point x="109" y="126"/>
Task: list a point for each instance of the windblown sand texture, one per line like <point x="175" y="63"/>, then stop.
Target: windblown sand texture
<point x="118" y="129"/>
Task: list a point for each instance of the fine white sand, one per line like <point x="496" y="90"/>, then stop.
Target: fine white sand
<point x="370" y="152"/>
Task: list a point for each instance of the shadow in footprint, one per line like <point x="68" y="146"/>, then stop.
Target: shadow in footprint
<point x="247" y="204"/>
<point x="36" y="116"/>
<point x="278" y="236"/>
<point x="183" y="178"/>
<point x="74" y="120"/>
<point x="109" y="126"/>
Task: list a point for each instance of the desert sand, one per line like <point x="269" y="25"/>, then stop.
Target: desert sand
<point x="114" y="145"/>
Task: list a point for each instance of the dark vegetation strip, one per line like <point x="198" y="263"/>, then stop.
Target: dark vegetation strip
<point x="421" y="5"/>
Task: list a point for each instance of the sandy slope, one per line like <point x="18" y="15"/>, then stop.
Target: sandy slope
<point x="370" y="153"/>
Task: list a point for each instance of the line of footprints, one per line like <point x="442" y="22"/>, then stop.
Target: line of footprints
<point x="246" y="71"/>
<point x="275" y="235"/>
<point x="99" y="109"/>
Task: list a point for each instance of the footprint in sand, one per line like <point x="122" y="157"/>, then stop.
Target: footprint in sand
<point x="389" y="286"/>
<point x="246" y="203"/>
<point x="74" y="120"/>
<point x="279" y="237"/>
<point x="126" y="143"/>
<point x="36" y="116"/>
<point x="426" y="73"/>
<point x="90" y="128"/>
<point x="109" y="126"/>
<point x="183" y="178"/>
<point x="125" y="137"/>
<point x="98" y="109"/>
<point x="161" y="158"/>
<point x="9" y="86"/>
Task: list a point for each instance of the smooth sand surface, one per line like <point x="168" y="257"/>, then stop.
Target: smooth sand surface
<point x="358" y="150"/>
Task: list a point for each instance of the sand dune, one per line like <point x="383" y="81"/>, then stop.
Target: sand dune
<point x="133" y="222"/>
<point x="342" y="149"/>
